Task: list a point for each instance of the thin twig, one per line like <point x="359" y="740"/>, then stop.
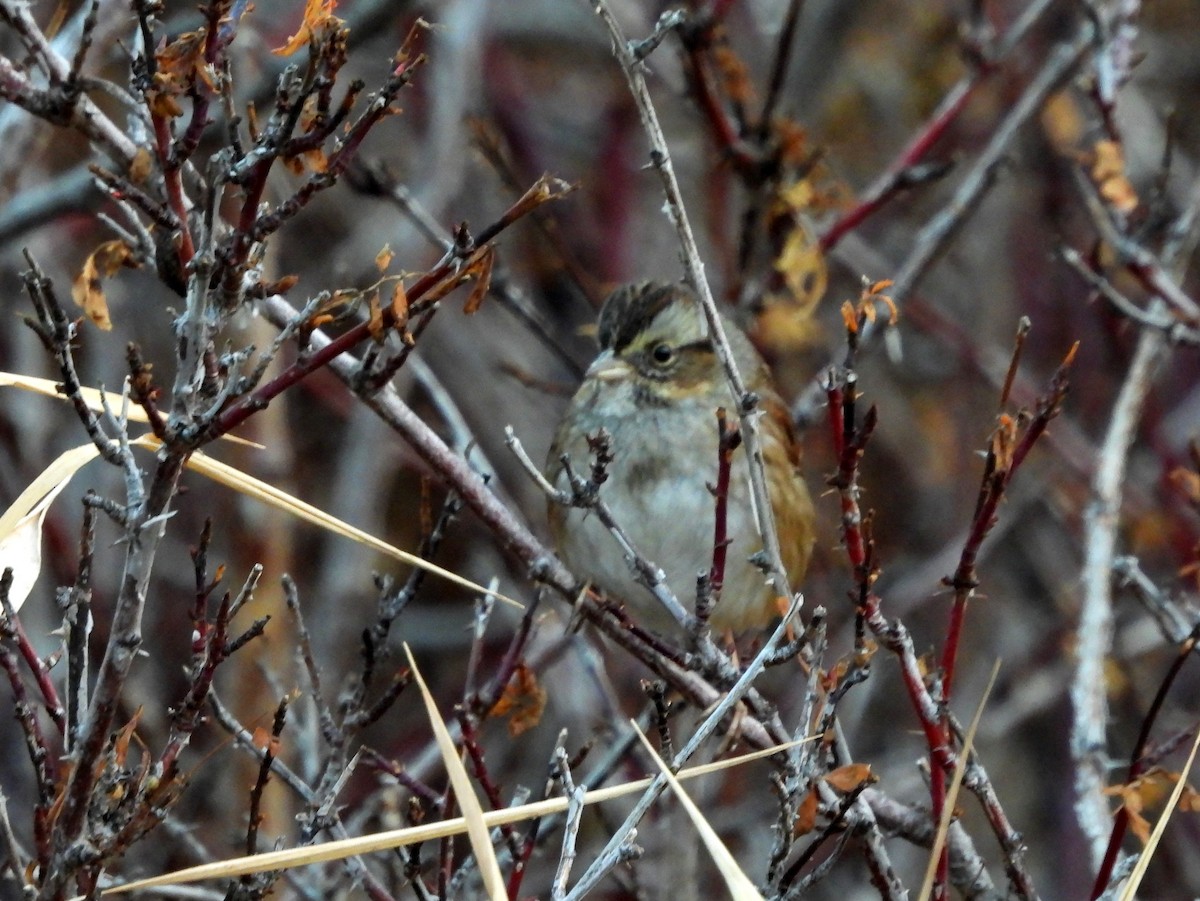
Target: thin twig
<point x="746" y="402"/>
<point x="1089" y="698"/>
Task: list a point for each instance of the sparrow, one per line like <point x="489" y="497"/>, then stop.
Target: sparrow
<point x="654" y="389"/>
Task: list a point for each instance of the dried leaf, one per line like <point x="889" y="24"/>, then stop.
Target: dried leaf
<point x="849" y="318"/>
<point x="792" y="141"/>
<point x="522" y="701"/>
<point x="315" y="160"/>
<point x="806" y="814"/>
<point x="400" y="304"/>
<point x="1188" y="482"/>
<point x="123" y="737"/>
<point x="265" y="740"/>
<point x="1189" y="800"/>
<point x="1004" y="442"/>
<point x="543" y="190"/>
<point x="177" y="67"/>
<point x="163" y="104"/>
<point x="140" y="166"/>
<point x="375" y="320"/>
<point x="800" y="260"/>
<point x="784" y="327"/>
<point x="383" y="259"/>
<point x="281" y="285"/>
<point x="179" y="59"/>
<point x="481" y="271"/>
<point x="318" y="14"/>
<point x="1064" y="122"/>
<point x="849" y="777"/>
<point x="1108" y="172"/>
<point x="1139" y="826"/>
<point x="735" y="74"/>
<point x="87" y="291"/>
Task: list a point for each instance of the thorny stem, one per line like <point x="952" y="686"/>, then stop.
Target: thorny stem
<point x="542" y="191"/>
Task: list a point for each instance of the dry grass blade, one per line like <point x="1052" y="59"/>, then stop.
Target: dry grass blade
<point x="281" y="500"/>
<point x="21" y="523"/>
<point x="1139" y="870"/>
<point x="55" y="476"/>
<point x="939" y="840"/>
<point x="464" y="793"/>
<point x="52" y="479"/>
<point x="740" y="886"/>
<point x="91" y="397"/>
<point x="396" y="838"/>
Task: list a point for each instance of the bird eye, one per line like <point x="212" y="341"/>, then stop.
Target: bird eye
<point x="662" y="353"/>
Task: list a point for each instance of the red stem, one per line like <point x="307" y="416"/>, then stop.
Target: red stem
<point x="41" y="675"/>
<point x="891" y="181"/>
<point x="726" y="442"/>
<point x="174" y="182"/>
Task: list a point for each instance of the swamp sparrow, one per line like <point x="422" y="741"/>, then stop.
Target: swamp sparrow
<point x="655" y="389"/>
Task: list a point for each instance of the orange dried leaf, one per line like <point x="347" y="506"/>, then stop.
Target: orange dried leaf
<point x="317" y="14"/>
<point x="1004" y="441"/>
<point x="163" y="105"/>
<point x="792" y="140"/>
<point x="893" y="310"/>
<point x="375" y="320"/>
<point x="266" y="741"/>
<point x="400" y="304"/>
<point x="806" y="815"/>
<point x="178" y="66"/>
<point x="315" y="160"/>
<point x="139" y="167"/>
<point x="383" y="259"/>
<point x="1108" y="172"/>
<point x="481" y="271"/>
<point x="1188" y="482"/>
<point x="282" y="285"/>
<point x="849" y="317"/>
<point x="179" y="59"/>
<point x="252" y="121"/>
<point x="1108" y="161"/>
<point x="522" y="701"/>
<point x="1064" y="122"/>
<point x="849" y="777"/>
<point x="1139" y="826"/>
<point x="542" y="191"/>
<point x="784" y="326"/>
<point x="802" y="265"/>
<point x="124" y="737"/>
<point x="832" y="678"/>
<point x="87" y="290"/>
<point x="736" y="76"/>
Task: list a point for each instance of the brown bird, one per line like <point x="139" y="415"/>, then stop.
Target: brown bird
<point x="655" y="388"/>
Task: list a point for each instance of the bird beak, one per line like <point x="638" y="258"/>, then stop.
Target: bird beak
<point x="607" y="368"/>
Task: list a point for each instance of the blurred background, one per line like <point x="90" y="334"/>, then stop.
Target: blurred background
<point x="515" y="89"/>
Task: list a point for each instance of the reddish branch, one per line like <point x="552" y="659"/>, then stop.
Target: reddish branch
<point x="849" y="442"/>
<point x="728" y="439"/>
<point x="1138" y="762"/>
<point x="446" y="275"/>
<point x="1009" y="447"/>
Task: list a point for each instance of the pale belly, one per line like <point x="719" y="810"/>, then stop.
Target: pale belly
<point x="664" y="505"/>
